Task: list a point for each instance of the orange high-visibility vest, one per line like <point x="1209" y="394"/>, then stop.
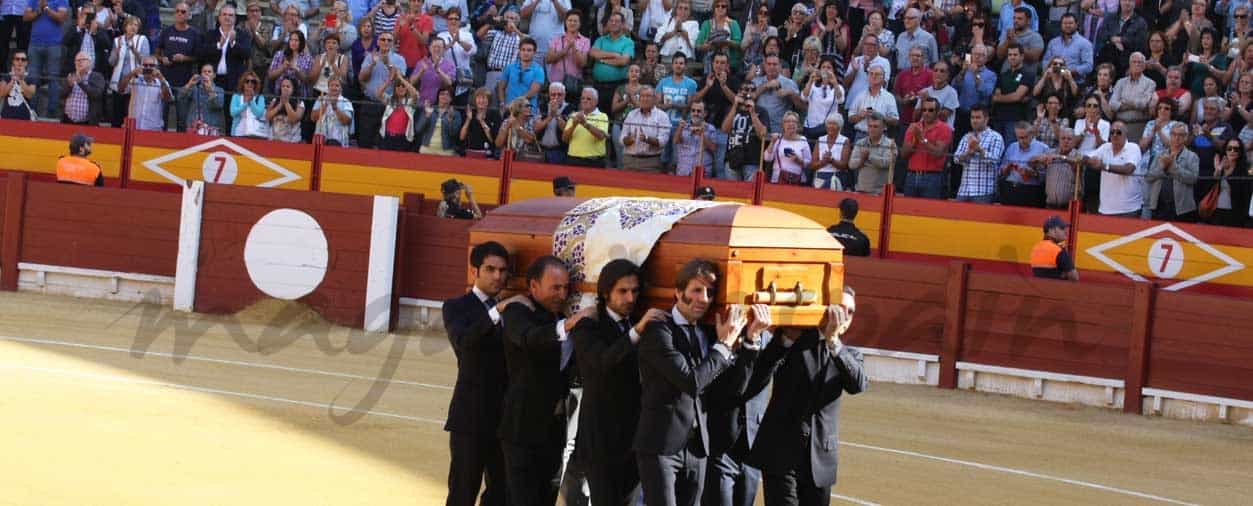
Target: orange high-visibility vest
<point x="77" y="170"/>
<point x="1044" y="254"/>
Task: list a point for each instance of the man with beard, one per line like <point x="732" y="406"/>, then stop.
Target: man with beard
<point x="677" y="366"/>
<point x="538" y="354"/>
<point x="473" y="324"/>
<point x="605" y="348"/>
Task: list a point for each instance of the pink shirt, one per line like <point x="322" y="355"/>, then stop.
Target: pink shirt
<point x="557" y="71"/>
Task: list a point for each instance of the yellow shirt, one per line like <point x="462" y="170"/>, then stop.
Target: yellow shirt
<point x="436" y="145"/>
<point x="582" y="143"/>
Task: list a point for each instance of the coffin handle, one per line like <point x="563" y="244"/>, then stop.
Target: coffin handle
<point x="797" y="296"/>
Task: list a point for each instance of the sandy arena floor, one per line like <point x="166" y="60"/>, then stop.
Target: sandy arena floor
<point x="109" y="403"/>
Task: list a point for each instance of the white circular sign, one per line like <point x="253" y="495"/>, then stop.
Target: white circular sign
<point x="286" y="254"/>
<point x="220" y="167"/>
<point x="1165" y="258"/>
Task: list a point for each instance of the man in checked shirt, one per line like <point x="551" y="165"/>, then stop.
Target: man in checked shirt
<point x="980" y="155"/>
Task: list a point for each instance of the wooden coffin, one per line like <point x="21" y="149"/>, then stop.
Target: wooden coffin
<point x="764" y="254"/>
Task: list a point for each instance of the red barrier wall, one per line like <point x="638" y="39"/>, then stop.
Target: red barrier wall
<point x="1047" y="325"/>
<point x="116" y="230"/>
<point x="1202" y="344"/>
<point x="222" y="282"/>
<point x="436" y="258"/>
<point x="900" y="305"/>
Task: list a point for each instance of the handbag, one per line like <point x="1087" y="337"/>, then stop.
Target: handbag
<point x="573" y="82"/>
<point x="1209" y="203"/>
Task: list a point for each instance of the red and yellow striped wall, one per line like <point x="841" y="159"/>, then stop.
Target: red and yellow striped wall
<point x="1190" y="257"/>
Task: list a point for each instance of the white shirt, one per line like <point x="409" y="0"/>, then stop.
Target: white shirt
<point x="491" y="311"/>
<point x="700" y="336"/>
<point x="1120" y="193"/>
<point x="656" y="124"/>
<point x="883" y="103"/>
<point x="823" y="100"/>
<point x="836" y="150"/>
<point x="1087" y="143"/>
<point x="618" y="319"/>
<point x="862" y="82"/>
<point x="221" y="70"/>
<point x="545" y="23"/>
<point x="678" y="43"/>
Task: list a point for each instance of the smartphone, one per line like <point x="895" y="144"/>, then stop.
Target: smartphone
<point x="788" y="152"/>
<point x="331" y="21"/>
<point x="967" y="58"/>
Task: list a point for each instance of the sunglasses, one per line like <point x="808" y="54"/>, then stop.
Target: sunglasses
<point x="1233" y="149"/>
<point x="928" y="109"/>
<point x="978" y="25"/>
<point x="19" y="58"/>
<point x="1241" y="16"/>
<point x="176" y="11"/>
<point x="1091" y="105"/>
<point x="385" y="39"/>
<point x="252" y="81"/>
<point x="1115" y="132"/>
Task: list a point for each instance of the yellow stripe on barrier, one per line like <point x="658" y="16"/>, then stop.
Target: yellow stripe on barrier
<point x="37" y="155"/>
<point x="867" y="221"/>
<point x="366" y="180"/>
<point x="523" y="189"/>
<point x="220" y="165"/>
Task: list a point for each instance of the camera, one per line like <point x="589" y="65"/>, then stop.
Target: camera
<point x="788" y="152"/>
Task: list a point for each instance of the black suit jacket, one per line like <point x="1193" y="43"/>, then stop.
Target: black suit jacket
<point x="609" y="363"/>
<point x="480" y="390"/>
<point x="72" y="41"/>
<point x="725" y="402"/>
<point x="804" y="391"/>
<point x="537" y="385"/>
<point x="672" y="383"/>
<point x="94" y="86"/>
<point x="236" y="56"/>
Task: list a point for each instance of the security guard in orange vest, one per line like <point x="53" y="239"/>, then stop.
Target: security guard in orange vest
<point x="1049" y="258"/>
<point x="76" y="168"/>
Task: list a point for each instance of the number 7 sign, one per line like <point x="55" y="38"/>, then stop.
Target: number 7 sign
<point x="220" y="167"/>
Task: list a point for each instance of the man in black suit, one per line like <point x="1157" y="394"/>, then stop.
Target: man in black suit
<point x="676" y="367"/>
<point x="227" y="48"/>
<point x="605" y="347"/>
<point x="473" y="324"/>
<point x="797" y="442"/>
<point x="733" y="423"/>
<point x="538" y="352"/>
<point x="854" y="240"/>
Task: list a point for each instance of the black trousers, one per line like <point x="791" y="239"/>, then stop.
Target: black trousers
<point x="9" y="25"/>
<point x="673" y="480"/>
<point x="476" y="458"/>
<point x="729" y="482"/>
<point x="532" y="473"/>
<point x="369" y="117"/>
<point x="614" y="480"/>
<point x="796" y="487"/>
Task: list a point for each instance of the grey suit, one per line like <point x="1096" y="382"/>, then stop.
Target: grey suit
<point x="1182" y="175"/>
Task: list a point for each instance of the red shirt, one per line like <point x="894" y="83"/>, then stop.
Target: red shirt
<point x="409" y="44"/>
<point x="398" y="122"/>
<point x="922" y="161"/>
<point x="911" y="82"/>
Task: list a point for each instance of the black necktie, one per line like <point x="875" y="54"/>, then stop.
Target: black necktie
<point x="491" y="303"/>
<point x="693" y="341"/>
<point x="624" y="327"/>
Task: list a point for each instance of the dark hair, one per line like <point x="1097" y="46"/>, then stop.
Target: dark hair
<point x="932" y="100"/>
<point x="611" y="273"/>
<point x="453" y="10"/>
<point x="1242" y="162"/>
<point x="573" y="12"/>
<point x="848" y="209"/>
<point x="537" y="269"/>
<point x="696" y="268"/>
<point x="722" y="54"/>
<point x="1024" y="11"/>
<point x="1014" y="45"/>
<point x="1070" y="15"/>
<point x="679" y="54"/>
<point x="527" y="41"/>
<point x="1174" y="106"/>
<point x="480" y="252"/>
<point x="979" y="107"/>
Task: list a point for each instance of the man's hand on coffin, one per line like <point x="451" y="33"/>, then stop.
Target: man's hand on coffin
<point x="835" y="323"/>
<point x="760" y="322"/>
<point x="652" y="315"/>
<point x="729" y="329"/>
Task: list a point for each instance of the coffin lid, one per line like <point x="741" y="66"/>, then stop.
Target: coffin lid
<point x="733" y="225"/>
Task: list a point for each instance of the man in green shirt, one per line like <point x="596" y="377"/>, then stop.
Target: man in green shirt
<point x="613" y="54"/>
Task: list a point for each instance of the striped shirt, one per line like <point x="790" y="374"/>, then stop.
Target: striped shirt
<point x="502" y="49"/>
<point x="979" y="178"/>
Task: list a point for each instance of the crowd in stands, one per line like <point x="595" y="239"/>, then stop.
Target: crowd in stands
<point x="1139" y="108"/>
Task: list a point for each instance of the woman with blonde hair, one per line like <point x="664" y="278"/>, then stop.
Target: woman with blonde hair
<point x="129" y="49"/>
<point x="518" y="132"/>
<point x="400" y="116"/>
<point x="790" y="152"/>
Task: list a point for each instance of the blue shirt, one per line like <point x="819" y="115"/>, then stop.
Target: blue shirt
<point x="518" y="81"/>
<point x="1077" y="54"/>
<point x="359" y="8"/>
<point x="379" y="75"/>
<point x="1014" y="154"/>
<point x="13" y="7"/>
<point x="676" y="94"/>
<point x="44" y="30"/>
<point x="1007" y="17"/>
<point x="968" y="94"/>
